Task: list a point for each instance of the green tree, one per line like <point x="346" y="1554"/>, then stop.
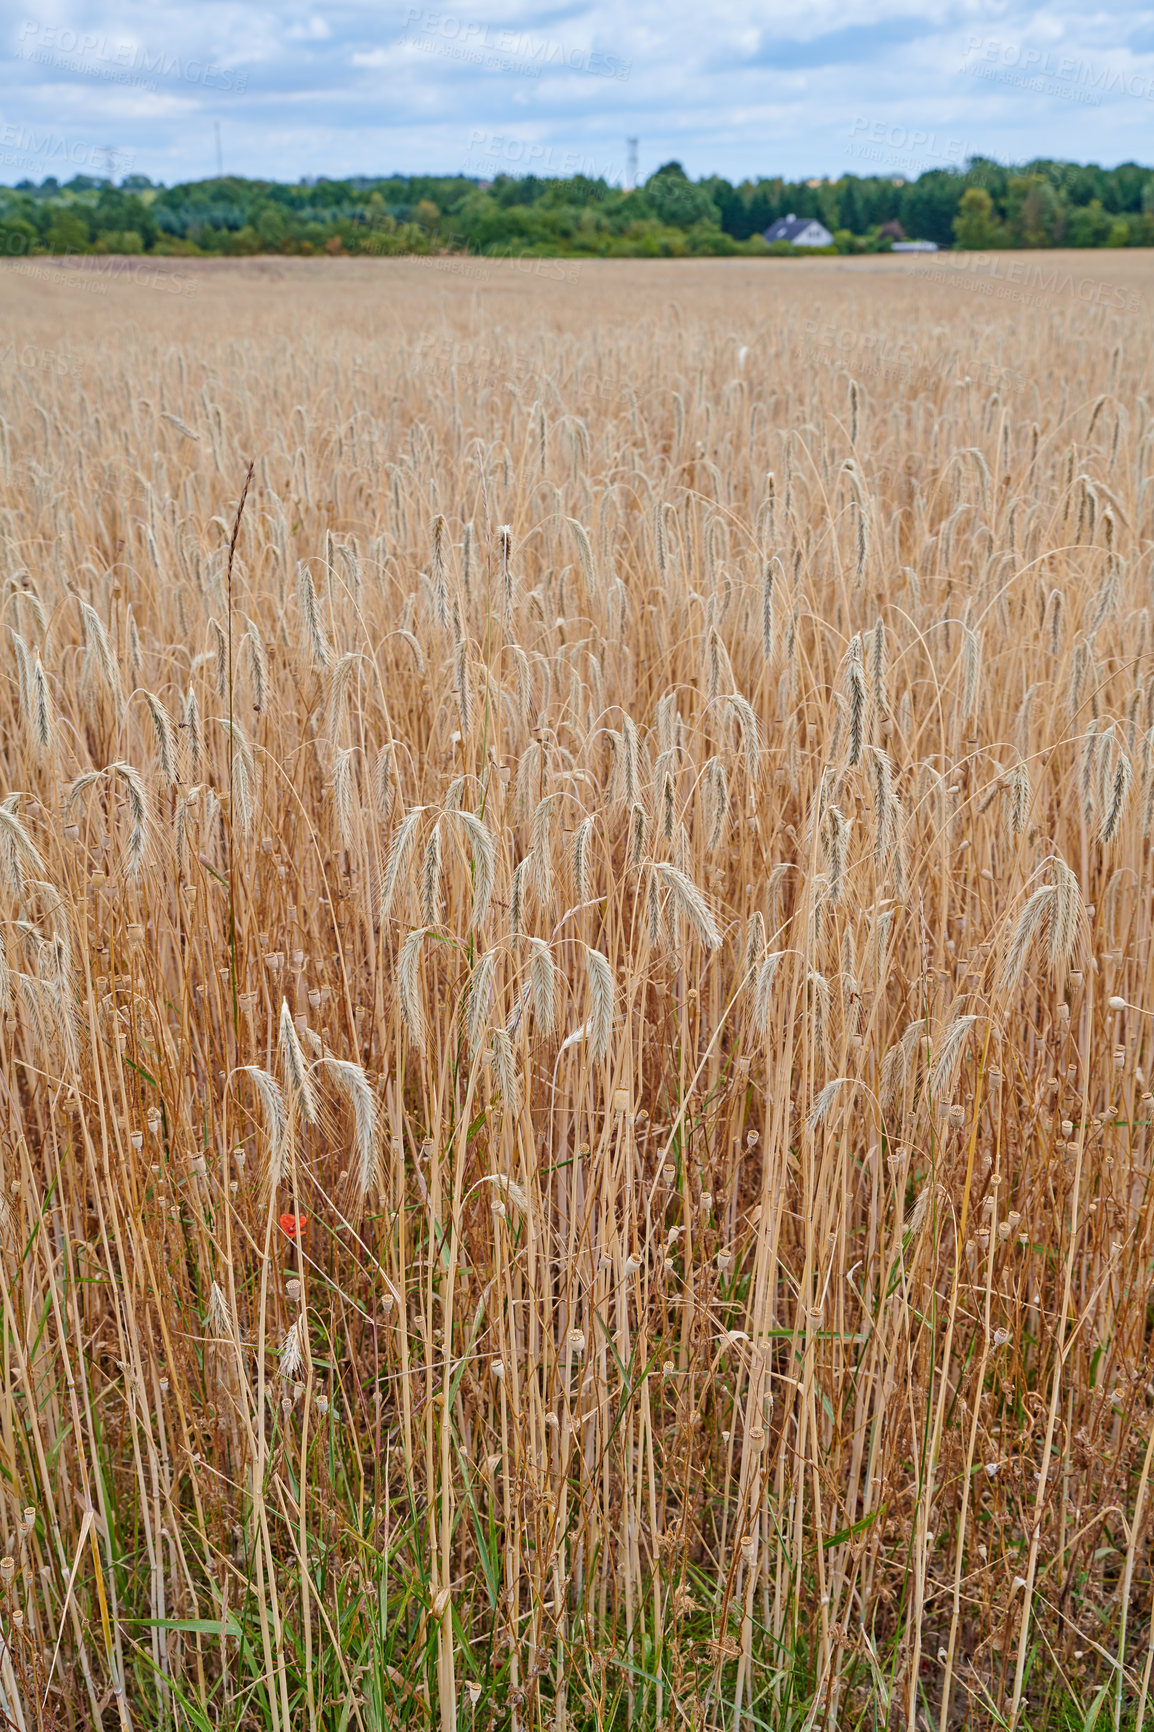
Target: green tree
<point x="976" y="228"/>
<point x="427" y="216"/>
<point x="1090" y="225"/>
<point x="118" y="241"/>
<point x="17" y="236"/>
<point x="67" y="231"/>
<point x="119" y="212"/>
<point x="271" y="225"/>
<point x="853" y="206"/>
<point x="676" y="201"/>
<point x="927" y="206"/>
<point x="765" y="205"/>
<point x="731" y="207"/>
<point x="1035" y="211"/>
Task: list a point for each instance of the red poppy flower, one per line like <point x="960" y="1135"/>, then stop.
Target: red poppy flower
<point x="291" y="1224"/>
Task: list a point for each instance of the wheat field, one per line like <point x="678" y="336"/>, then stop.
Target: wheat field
<point x="576" y="971"/>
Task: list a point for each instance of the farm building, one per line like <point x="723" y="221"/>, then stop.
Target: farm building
<point x="799" y="232"/>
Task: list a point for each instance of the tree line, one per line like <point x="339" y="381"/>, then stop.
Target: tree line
<point x="981" y="206"/>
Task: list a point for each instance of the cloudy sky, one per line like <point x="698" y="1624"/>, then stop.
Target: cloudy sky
<point x="795" y="87"/>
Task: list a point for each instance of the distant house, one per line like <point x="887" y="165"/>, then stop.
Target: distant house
<point x="799" y="232"/>
<point x="915" y="246"/>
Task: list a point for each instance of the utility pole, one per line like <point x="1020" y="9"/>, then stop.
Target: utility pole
<point x="631" y="164"/>
<point x="219" y="157"/>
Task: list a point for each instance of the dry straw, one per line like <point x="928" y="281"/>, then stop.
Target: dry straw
<point x="575" y="1055"/>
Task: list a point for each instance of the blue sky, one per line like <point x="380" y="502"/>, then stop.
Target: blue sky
<point x="730" y="87"/>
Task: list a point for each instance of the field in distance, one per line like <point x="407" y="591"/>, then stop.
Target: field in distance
<point x="575" y="993"/>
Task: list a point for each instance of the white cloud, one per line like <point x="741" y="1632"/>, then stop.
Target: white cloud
<point x="311" y="29"/>
<point x="743" y="89"/>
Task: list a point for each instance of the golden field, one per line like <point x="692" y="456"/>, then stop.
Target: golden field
<point x="576" y="972"/>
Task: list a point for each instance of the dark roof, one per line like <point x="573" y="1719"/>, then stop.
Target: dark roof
<point x="788" y="228"/>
